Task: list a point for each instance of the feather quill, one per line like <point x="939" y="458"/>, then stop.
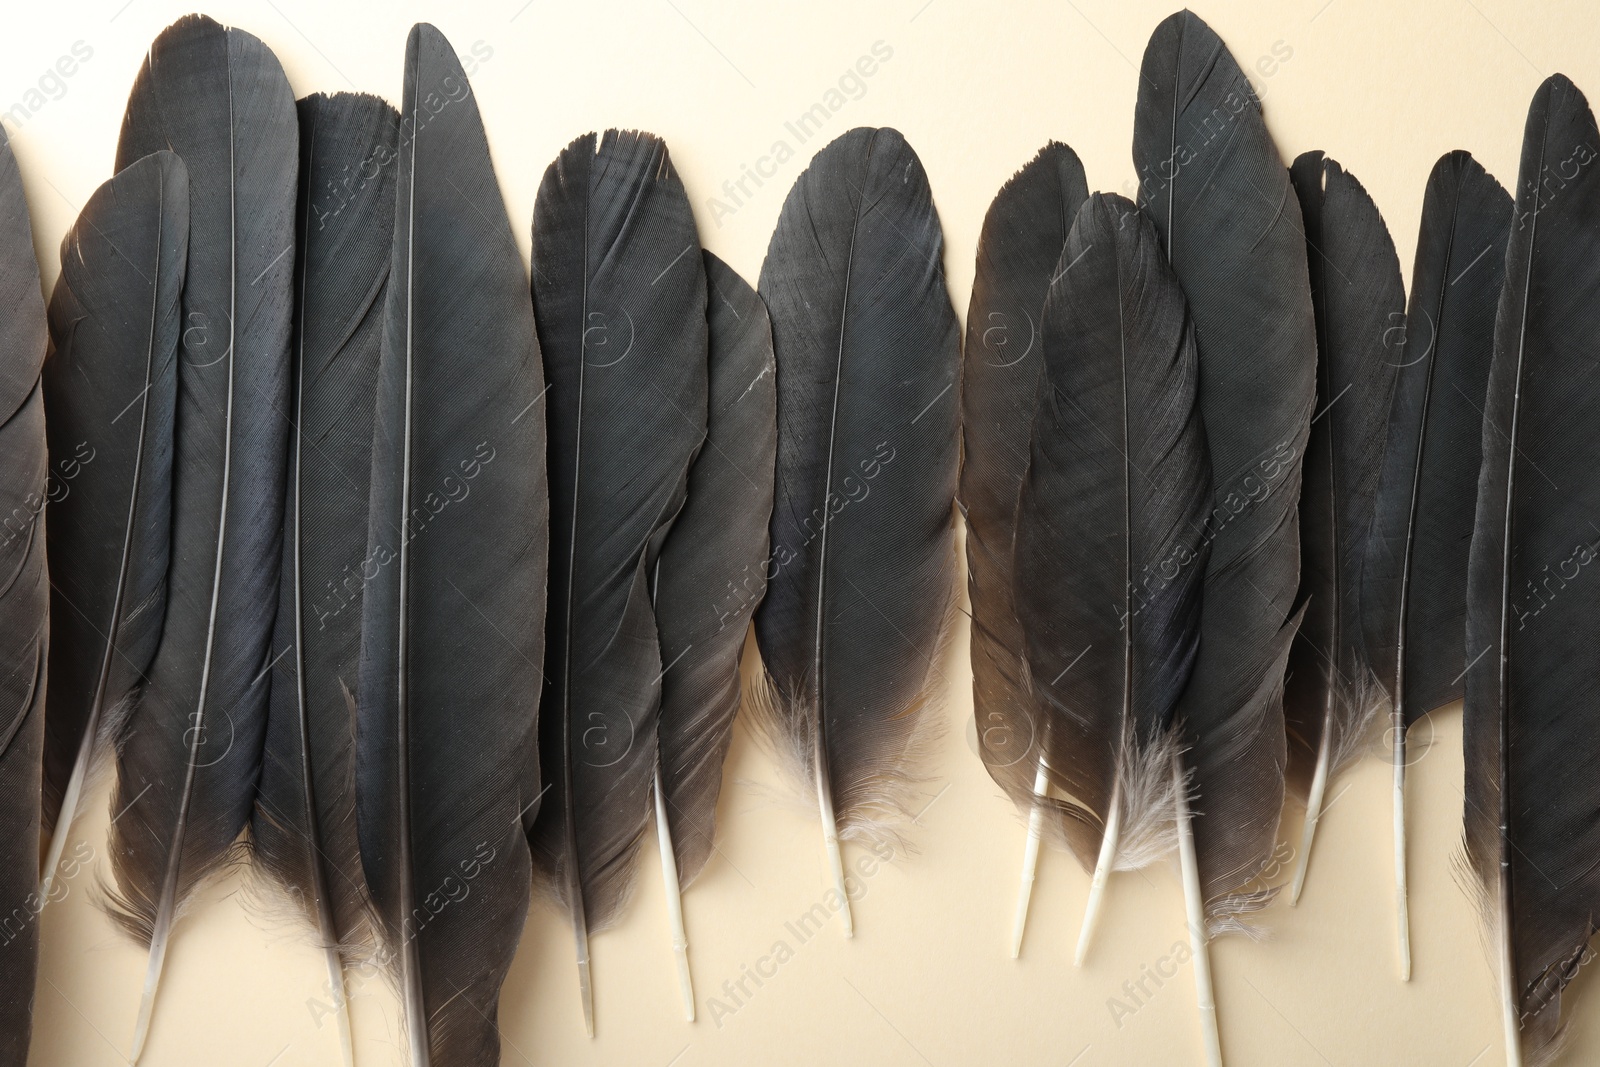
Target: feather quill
<point x="1532" y="819"/>
<point x="110" y="392"/>
<point x="1414" y="585"/>
<point x="303" y="829"/>
<point x="1331" y="698"/>
<point x="707" y="582"/>
<point x="187" y="769"/>
<point x="24" y="605"/>
<point x="621" y="296"/>
<point x="1110" y="536"/>
<point x="453" y="617"/>
<point x="1024" y="231"/>
<point x="863" y="562"/>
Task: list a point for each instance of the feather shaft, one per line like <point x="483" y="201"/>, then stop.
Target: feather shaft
<point x="669" y="881"/>
<point x="1194" y="909"/>
<point x="1103" y="865"/>
<point x="1030" y="857"/>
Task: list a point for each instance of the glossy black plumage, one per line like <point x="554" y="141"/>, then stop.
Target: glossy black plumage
<point x="1111" y="529"/>
<point x="1532" y="824"/>
<point x="1023" y="234"/>
<point x="1213" y="183"/>
<point x="711" y="573"/>
<point x="620" y="296"/>
<point x="24" y="606"/>
<point x="187" y="769"/>
<point x="304" y="826"/>
<point x="110" y="394"/>
<point x="453" y="619"/>
<point x="863" y="563"/>
<point x="1415" y="584"/>
<point x="1359" y="303"/>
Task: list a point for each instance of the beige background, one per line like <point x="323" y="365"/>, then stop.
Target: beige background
<point x="977" y="88"/>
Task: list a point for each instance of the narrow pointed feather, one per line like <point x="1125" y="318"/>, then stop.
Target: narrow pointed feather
<point x="453" y="618"/>
<point x="1111" y="525"/>
<point x="863" y="564"/>
<point x="1532" y="827"/>
<point x="1415" y="585"/>
<point x="187" y="770"/>
<point x="1213" y="183"/>
<point x="1023" y="234"/>
<point x="110" y="392"/>
<point x="712" y="569"/>
<point x="24" y="604"/>
<point x="621" y="295"/>
<point x="1359" y="303"/>
<point x="304" y="827"/>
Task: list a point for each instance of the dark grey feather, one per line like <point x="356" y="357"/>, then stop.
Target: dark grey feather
<point x="187" y="769"/>
<point x="110" y="393"/>
<point x="620" y="295"/>
<point x="1359" y="303"/>
<point x="711" y="573"/>
<point x="863" y="564"/>
<point x="1415" y="585"/>
<point x="453" y="618"/>
<point x="24" y="607"/>
<point x="304" y="826"/>
<point x="1213" y="183"/>
<point x="1532" y="825"/>
<point x="1111" y="527"/>
<point x="1023" y="234"/>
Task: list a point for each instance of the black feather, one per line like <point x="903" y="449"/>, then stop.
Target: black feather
<point x="620" y="295"/>
<point x="304" y="826"/>
<point x="453" y="617"/>
<point x="1532" y="825"/>
<point x="711" y="573"/>
<point x="1359" y="303"/>
<point x="863" y="562"/>
<point x="187" y="769"/>
<point x="110" y="392"/>
<point x="1213" y="183"/>
<point x="1415" y="587"/>
<point x="1110" y="530"/>
<point x="24" y="605"/>
<point x="1023" y="234"/>
<point x="1414" y="583"/>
